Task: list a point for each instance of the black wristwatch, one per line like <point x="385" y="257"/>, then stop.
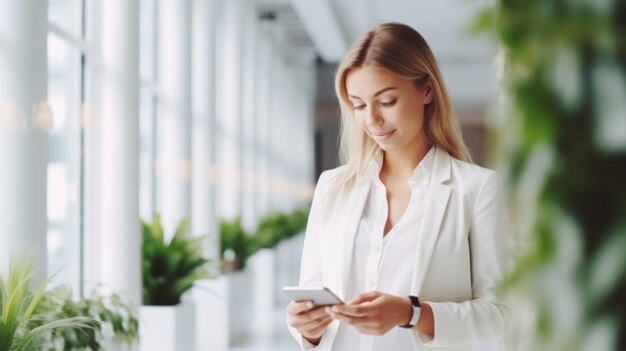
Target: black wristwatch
<point x="415" y="302"/>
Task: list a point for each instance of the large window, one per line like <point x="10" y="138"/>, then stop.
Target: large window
<point x="66" y="94"/>
<point x="148" y="112"/>
<point x="68" y="90"/>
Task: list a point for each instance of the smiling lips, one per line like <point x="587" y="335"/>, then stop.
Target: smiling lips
<point x="384" y="135"/>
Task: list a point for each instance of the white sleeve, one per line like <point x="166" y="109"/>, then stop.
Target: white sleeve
<point x="310" y="268"/>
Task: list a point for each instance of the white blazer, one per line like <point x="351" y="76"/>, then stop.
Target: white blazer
<point x="461" y="254"/>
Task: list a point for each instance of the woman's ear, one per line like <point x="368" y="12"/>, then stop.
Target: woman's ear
<point x="428" y="92"/>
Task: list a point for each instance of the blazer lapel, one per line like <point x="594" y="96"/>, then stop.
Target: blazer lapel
<point x="341" y="233"/>
<point x="435" y="211"/>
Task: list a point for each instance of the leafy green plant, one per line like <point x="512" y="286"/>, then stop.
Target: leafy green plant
<point x="297" y="221"/>
<point x="235" y="245"/>
<point x="271" y="230"/>
<point x="22" y="327"/>
<point x="562" y="144"/>
<point x="110" y="313"/>
<point x="280" y="226"/>
<point x="170" y="269"/>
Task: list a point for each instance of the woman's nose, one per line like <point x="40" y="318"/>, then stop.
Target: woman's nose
<point x="374" y="117"/>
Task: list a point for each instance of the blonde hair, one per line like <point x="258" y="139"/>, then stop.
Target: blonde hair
<point x="403" y="52"/>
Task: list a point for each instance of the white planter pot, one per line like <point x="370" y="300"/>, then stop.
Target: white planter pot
<point x="262" y="266"/>
<point x="110" y="344"/>
<point x="241" y="294"/>
<point x="166" y="328"/>
<point x="212" y="317"/>
<point x="282" y="269"/>
<point x="295" y="257"/>
<point x="225" y="310"/>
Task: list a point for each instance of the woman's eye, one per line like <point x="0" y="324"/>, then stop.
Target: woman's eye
<point x="358" y="107"/>
<point x="388" y="103"/>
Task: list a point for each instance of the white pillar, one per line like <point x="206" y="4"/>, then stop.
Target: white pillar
<point x="174" y="114"/>
<point x="306" y="129"/>
<point x="276" y="120"/>
<point x="229" y="107"/>
<point x="250" y="38"/>
<point x="118" y="116"/>
<point x="203" y="210"/>
<point x="24" y="122"/>
<point x="293" y="115"/>
<point x="309" y="72"/>
<point x="263" y="85"/>
<point x="278" y="136"/>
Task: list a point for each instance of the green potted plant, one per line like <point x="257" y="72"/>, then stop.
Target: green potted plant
<point x="115" y="321"/>
<point x="235" y="245"/>
<point x="271" y="230"/>
<point x="297" y="221"/>
<point x="22" y="326"/>
<point x="277" y="262"/>
<point x="169" y="269"/>
<point x="276" y="227"/>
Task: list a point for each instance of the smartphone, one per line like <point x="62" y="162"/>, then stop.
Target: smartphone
<point x="320" y="296"/>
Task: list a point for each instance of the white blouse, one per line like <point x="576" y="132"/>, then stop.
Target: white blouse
<point x="386" y="264"/>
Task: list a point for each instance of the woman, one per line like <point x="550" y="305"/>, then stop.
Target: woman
<point x="408" y="231"/>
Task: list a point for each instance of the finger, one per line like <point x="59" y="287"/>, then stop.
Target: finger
<point x="316" y="324"/>
<point x="315" y="313"/>
<point x="352" y="320"/>
<point x="345" y="318"/>
<point x="352" y="310"/>
<point x="369" y="321"/>
<point x="367" y="297"/>
<point x="317" y="332"/>
<point x="304" y="318"/>
<point x="297" y="307"/>
<point x="365" y="322"/>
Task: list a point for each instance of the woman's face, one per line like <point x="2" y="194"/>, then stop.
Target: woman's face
<point x="389" y="109"/>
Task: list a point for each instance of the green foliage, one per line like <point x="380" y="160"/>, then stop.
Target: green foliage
<point x="563" y="146"/>
<point x="280" y="226"/>
<point x="170" y="269"/>
<point x="234" y="240"/>
<point x="297" y="221"/>
<point x="271" y="230"/>
<point x="22" y="327"/>
<point x="109" y="312"/>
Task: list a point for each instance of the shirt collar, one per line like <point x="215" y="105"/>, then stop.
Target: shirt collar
<point x="421" y="173"/>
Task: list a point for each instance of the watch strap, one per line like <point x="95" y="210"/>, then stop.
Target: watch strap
<point x="415" y="304"/>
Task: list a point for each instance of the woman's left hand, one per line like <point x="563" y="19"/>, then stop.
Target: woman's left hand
<point x="373" y="313"/>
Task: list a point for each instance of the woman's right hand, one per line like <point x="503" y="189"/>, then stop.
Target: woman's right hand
<point x="310" y="321"/>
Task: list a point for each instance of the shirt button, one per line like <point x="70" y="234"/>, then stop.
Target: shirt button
<point x="379" y="249"/>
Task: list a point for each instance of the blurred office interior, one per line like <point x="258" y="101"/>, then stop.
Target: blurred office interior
<point x="223" y="113"/>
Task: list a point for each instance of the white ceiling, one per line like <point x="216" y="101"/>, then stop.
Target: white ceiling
<point x="466" y="61"/>
<point x="443" y="23"/>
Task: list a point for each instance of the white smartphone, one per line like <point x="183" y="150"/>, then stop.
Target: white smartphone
<point x="320" y="296"/>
